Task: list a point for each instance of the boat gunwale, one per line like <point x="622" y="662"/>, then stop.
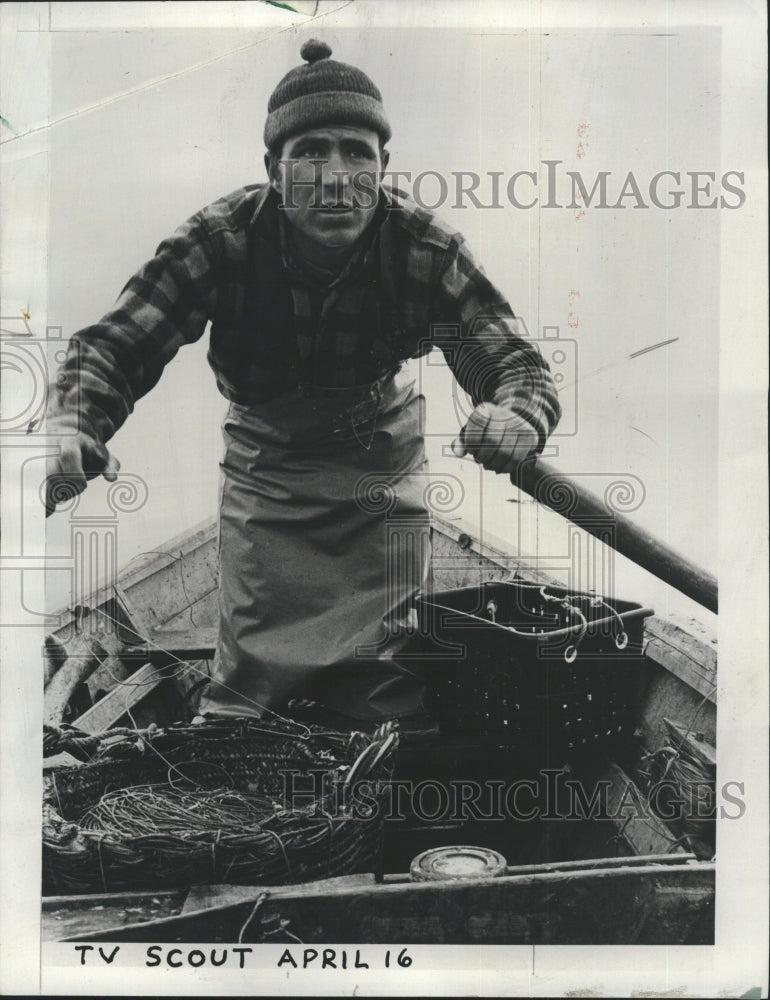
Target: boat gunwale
<point x="699" y="672"/>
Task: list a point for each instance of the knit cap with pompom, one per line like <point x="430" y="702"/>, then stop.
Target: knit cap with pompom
<point x="323" y="92"/>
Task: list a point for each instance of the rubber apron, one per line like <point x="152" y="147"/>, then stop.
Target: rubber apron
<point x="323" y="543"/>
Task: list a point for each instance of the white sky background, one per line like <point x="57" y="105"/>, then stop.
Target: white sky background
<point x="91" y="194"/>
<point x="126" y="172"/>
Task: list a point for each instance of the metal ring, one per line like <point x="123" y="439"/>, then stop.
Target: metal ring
<point x="621" y="640"/>
<point x="570" y="654"/>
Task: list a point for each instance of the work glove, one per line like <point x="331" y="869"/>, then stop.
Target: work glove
<point x="80" y="457"/>
<point x="496" y="437"/>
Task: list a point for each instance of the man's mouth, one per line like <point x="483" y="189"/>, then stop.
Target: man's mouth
<point x="336" y="209"/>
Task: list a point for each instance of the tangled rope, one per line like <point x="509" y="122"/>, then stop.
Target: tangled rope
<point x="693" y="781"/>
<point x="694" y="785"/>
<point x="207" y="803"/>
<point x="195" y="814"/>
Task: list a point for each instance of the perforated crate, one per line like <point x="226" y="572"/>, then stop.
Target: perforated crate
<point x="529" y="666"/>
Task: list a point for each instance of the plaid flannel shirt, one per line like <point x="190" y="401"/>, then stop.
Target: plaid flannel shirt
<point x="412" y="286"/>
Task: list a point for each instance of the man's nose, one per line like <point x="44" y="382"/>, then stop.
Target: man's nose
<point x="335" y="174"/>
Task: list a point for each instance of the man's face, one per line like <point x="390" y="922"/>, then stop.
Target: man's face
<point x="328" y="180"/>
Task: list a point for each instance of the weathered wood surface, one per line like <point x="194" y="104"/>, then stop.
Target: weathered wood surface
<point x="55" y="655"/>
<point x="161" y="584"/>
<point x="180" y="643"/>
<point x="107" y="656"/>
<point x="640" y="828"/>
<point x="71" y="916"/>
<point x="700" y="749"/>
<point x="85" y="652"/>
<point x="686" y="650"/>
<point x="176" y="581"/>
<point x="618" y="905"/>
<point x="666" y="696"/>
<point x="582" y="866"/>
<point x="203" y="613"/>
<point x="203" y="897"/>
<point x="120" y="699"/>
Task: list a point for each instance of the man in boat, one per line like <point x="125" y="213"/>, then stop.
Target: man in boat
<point x="318" y="286"/>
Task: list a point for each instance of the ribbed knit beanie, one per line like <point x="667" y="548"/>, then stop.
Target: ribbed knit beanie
<point x="323" y="92"/>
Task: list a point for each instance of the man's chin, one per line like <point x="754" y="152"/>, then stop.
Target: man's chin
<point x="336" y="236"/>
<point x="330" y="230"/>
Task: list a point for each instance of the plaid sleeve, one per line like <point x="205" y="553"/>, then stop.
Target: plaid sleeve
<point x="115" y="362"/>
<point x="484" y="345"/>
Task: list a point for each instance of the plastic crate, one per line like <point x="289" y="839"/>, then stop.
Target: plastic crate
<point x="529" y="666"/>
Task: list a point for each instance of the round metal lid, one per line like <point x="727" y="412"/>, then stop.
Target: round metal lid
<point x="453" y="862"/>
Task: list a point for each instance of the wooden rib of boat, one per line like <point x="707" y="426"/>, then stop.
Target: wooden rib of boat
<point x="136" y="654"/>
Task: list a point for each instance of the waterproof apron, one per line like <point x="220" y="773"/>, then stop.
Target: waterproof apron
<point x="323" y="544"/>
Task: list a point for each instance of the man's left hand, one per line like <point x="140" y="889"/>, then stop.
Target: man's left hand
<point x="497" y="438"/>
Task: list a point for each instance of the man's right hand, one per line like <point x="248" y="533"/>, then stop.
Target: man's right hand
<point x="80" y="458"/>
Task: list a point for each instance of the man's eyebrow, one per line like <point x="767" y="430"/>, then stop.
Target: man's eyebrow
<point x="308" y="141"/>
<point x="359" y="146"/>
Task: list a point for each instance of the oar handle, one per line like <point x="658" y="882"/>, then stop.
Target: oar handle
<point x="564" y="495"/>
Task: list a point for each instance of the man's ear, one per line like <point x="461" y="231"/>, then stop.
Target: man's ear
<point x="273" y="173"/>
<point x="385" y="158"/>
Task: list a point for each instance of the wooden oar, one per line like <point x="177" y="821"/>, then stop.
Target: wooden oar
<point x="591" y="513"/>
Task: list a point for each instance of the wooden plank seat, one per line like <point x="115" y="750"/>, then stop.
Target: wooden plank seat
<point x="168" y="644"/>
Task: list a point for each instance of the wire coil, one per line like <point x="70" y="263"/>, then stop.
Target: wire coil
<point x="208" y="803"/>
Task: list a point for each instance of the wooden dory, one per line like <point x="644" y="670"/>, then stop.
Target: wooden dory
<point x="632" y="879"/>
